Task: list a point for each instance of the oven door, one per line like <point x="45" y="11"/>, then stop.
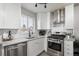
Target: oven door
<point x="54" y="46"/>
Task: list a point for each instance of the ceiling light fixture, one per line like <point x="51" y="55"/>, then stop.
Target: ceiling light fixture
<point x="45" y="4"/>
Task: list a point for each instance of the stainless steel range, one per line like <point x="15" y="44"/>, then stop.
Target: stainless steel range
<point x="55" y="45"/>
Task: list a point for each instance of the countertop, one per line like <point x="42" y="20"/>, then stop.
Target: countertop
<point x="69" y="39"/>
<point x="18" y="40"/>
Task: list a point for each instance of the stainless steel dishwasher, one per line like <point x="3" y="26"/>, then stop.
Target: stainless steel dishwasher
<point x="22" y="49"/>
<point x="11" y="50"/>
<point x="19" y="49"/>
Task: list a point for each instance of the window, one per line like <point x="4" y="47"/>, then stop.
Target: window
<point x="27" y="20"/>
<point x="30" y="21"/>
<point x="23" y="20"/>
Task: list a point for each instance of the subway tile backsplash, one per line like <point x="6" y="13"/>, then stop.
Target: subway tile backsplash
<point x="14" y="31"/>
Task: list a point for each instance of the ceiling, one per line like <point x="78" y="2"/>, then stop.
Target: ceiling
<point x="40" y="8"/>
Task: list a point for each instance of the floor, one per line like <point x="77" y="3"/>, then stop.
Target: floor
<point x="43" y="54"/>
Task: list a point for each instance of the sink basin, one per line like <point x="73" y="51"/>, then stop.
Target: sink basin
<point x="30" y="37"/>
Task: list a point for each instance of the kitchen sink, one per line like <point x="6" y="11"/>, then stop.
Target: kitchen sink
<point x="30" y="37"/>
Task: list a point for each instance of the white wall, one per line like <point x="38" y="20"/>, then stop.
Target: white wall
<point x="27" y="12"/>
<point x="76" y="21"/>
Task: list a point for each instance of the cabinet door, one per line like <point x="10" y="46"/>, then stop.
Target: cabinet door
<point x="38" y="21"/>
<point x="1" y="16"/>
<point x="35" y="47"/>
<point x="32" y="48"/>
<point x="12" y="15"/>
<point x="40" y="45"/>
<point x="42" y="21"/>
<point x="69" y="16"/>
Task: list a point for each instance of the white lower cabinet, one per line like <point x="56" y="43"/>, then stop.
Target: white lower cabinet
<point x="68" y="48"/>
<point x="35" y="47"/>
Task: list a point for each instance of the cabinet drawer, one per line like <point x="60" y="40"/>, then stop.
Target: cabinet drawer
<point x="68" y="53"/>
<point x="68" y="42"/>
<point x="68" y="49"/>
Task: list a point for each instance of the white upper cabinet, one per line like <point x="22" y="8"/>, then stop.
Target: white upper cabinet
<point x="69" y="16"/>
<point x="38" y="21"/>
<point x="43" y="21"/>
<point x="1" y="16"/>
<point x="11" y="15"/>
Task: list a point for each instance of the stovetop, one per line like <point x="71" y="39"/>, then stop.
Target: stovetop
<point x="56" y="36"/>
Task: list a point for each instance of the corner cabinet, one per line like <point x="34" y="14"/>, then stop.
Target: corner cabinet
<point x="43" y="20"/>
<point x="10" y="15"/>
<point x="35" y="47"/>
<point x="69" y="16"/>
